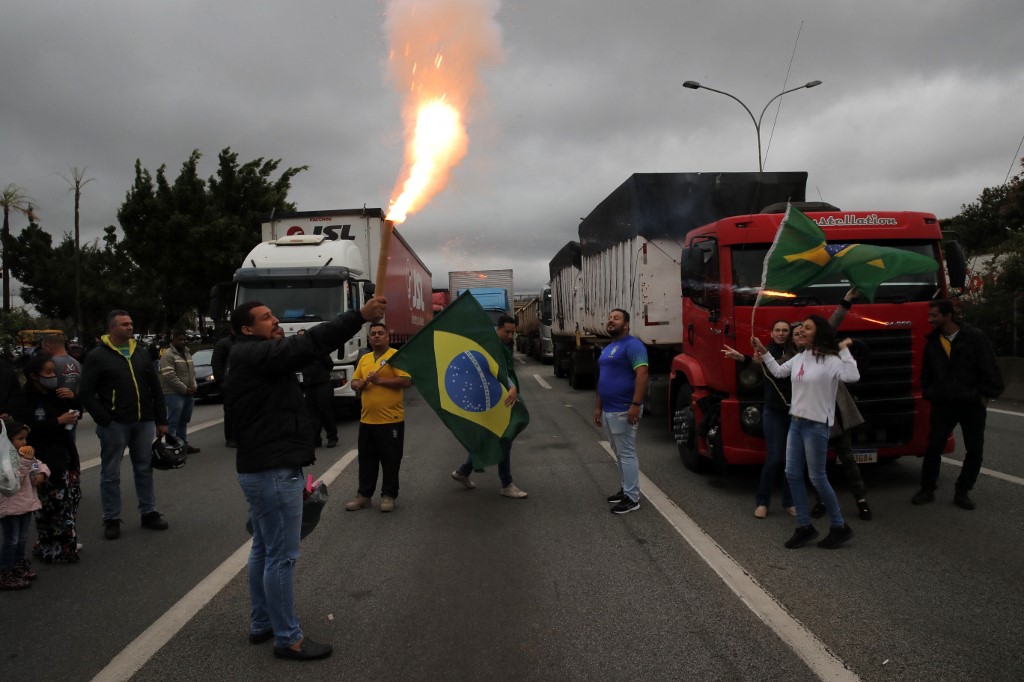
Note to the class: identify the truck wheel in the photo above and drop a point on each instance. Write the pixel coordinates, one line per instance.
(684, 429)
(559, 370)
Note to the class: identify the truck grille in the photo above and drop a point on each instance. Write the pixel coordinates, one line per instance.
(883, 393)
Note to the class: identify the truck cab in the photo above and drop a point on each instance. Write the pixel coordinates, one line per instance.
(717, 403)
(306, 280)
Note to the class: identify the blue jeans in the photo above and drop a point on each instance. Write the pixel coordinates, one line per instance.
(114, 438)
(275, 508)
(776, 428)
(15, 530)
(808, 444)
(179, 414)
(504, 466)
(622, 436)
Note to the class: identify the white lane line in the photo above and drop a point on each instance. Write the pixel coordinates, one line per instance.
(95, 461)
(136, 654)
(540, 380)
(809, 648)
(994, 474)
(1012, 414)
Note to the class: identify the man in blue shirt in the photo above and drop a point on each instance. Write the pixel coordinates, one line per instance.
(621, 387)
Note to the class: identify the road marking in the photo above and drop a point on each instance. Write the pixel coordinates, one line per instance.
(1012, 414)
(138, 653)
(540, 380)
(809, 648)
(994, 474)
(95, 461)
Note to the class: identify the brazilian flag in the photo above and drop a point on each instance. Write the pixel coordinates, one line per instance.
(800, 256)
(462, 370)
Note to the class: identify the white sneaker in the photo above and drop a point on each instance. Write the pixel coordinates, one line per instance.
(464, 480)
(511, 490)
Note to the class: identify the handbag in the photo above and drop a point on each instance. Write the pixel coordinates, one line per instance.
(10, 465)
(314, 497)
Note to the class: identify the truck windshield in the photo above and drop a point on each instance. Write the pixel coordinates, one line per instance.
(748, 264)
(301, 301)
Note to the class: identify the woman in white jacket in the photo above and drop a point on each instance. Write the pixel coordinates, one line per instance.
(815, 373)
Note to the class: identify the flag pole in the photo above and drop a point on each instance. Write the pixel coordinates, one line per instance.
(385, 255)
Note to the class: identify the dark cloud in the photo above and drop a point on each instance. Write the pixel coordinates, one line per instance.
(919, 109)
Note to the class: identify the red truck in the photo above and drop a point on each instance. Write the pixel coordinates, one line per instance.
(716, 404)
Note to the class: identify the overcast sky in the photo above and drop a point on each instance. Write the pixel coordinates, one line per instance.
(921, 106)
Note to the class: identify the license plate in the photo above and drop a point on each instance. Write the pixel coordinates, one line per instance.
(865, 456)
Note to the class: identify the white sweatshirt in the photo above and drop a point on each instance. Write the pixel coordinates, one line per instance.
(815, 381)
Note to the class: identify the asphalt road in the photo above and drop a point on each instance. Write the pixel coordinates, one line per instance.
(467, 585)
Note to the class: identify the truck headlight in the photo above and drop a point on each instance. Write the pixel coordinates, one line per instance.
(750, 376)
(751, 416)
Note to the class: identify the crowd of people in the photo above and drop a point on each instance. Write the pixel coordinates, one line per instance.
(276, 423)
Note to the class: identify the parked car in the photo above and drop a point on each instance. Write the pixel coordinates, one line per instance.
(206, 387)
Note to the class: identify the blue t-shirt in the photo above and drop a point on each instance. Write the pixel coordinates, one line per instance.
(618, 363)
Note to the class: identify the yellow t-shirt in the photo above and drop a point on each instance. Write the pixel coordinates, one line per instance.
(381, 405)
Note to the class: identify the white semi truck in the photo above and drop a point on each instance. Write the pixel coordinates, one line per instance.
(313, 265)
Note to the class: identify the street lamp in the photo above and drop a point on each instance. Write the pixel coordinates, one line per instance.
(694, 85)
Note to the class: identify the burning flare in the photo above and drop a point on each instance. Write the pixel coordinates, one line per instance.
(437, 47)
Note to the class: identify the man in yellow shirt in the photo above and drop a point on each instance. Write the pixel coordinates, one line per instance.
(381, 422)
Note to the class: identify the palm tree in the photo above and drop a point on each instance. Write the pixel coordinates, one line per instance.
(12, 198)
(76, 182)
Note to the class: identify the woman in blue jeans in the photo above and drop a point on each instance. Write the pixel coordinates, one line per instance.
(775, 420)
(815, 373)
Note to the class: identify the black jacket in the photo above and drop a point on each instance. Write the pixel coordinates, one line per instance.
(116, 388)
(968, 373)
(219, 359)
(264, 400)
(9, 385)
(54, 443)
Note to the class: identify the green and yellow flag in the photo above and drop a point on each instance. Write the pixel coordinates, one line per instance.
(800, 256)
(461, 369)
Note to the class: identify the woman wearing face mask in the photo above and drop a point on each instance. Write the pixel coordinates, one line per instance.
(50, 413)
(776, 419)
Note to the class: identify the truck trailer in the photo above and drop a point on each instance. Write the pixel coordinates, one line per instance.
(313, 265)
(492, 289)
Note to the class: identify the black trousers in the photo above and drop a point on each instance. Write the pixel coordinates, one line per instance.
(380, 447)
(945, 416)
(319, 404)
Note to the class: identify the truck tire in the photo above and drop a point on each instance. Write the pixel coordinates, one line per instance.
(576, 379)
(684, 429)
(559, 370)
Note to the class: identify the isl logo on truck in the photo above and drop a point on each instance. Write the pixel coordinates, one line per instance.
(414, 288)
(332, 232)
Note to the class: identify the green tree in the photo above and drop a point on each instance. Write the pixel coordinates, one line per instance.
(185, 236)
(994, 224)
(12, 198)
(48, 282)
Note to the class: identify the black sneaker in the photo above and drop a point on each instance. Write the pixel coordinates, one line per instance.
(837, 535)
(923, 496)
(625, 506)
(154, 520)
(818, 510)
(617, 497)
(112, 529)
(963, 500)
(307, 651)
(863, 510)
(332, 442)
(801, 536)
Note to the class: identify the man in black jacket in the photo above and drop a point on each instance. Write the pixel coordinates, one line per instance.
(121, 391)
(275, 440)
(219, 365)
(959, 375)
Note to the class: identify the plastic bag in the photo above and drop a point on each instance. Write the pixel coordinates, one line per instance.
(10, 481)
(314, 497)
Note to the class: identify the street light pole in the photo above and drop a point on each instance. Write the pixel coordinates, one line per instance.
(694, 85)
